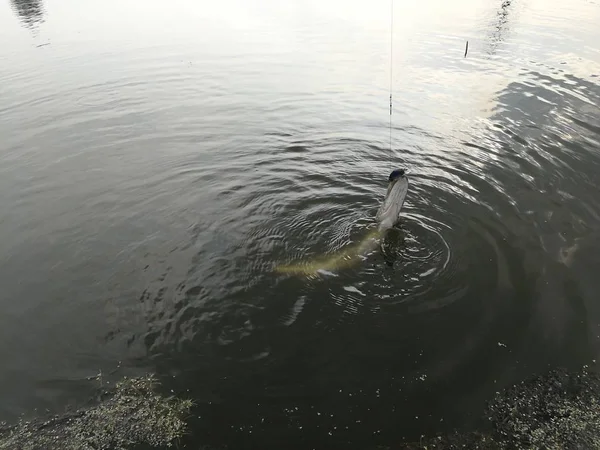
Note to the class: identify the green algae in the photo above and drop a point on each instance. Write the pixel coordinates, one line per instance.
(130, 415)
(558, 410)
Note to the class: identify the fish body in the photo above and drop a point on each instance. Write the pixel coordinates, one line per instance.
(387, 217)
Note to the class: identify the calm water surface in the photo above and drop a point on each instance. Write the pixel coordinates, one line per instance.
(158, 159)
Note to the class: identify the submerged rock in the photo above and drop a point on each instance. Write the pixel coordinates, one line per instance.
(132, 414)
(559, 410)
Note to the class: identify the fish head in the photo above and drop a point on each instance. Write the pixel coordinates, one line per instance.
(396, 174)
(389, 212)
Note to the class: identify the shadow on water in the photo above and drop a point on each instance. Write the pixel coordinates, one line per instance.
(547, 139)
(30, 12)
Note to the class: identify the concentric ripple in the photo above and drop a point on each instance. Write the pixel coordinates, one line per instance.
(154, 178)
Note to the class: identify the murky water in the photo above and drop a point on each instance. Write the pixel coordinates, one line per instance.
(158, 159)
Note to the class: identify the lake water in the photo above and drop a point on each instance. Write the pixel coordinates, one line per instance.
(159, 159)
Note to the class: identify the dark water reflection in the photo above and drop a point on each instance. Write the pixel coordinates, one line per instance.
(154, 182)
(30, 12)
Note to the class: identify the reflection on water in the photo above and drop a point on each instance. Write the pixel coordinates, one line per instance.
(30, 12)
(155, 179)
(500, 28)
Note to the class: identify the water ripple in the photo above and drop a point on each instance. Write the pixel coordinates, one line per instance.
(152, 186)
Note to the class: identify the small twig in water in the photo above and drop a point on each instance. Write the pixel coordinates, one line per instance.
(466, 49)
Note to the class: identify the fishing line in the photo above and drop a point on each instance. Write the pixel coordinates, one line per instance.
(391, 70)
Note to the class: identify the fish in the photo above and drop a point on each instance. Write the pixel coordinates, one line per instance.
(387, 217)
